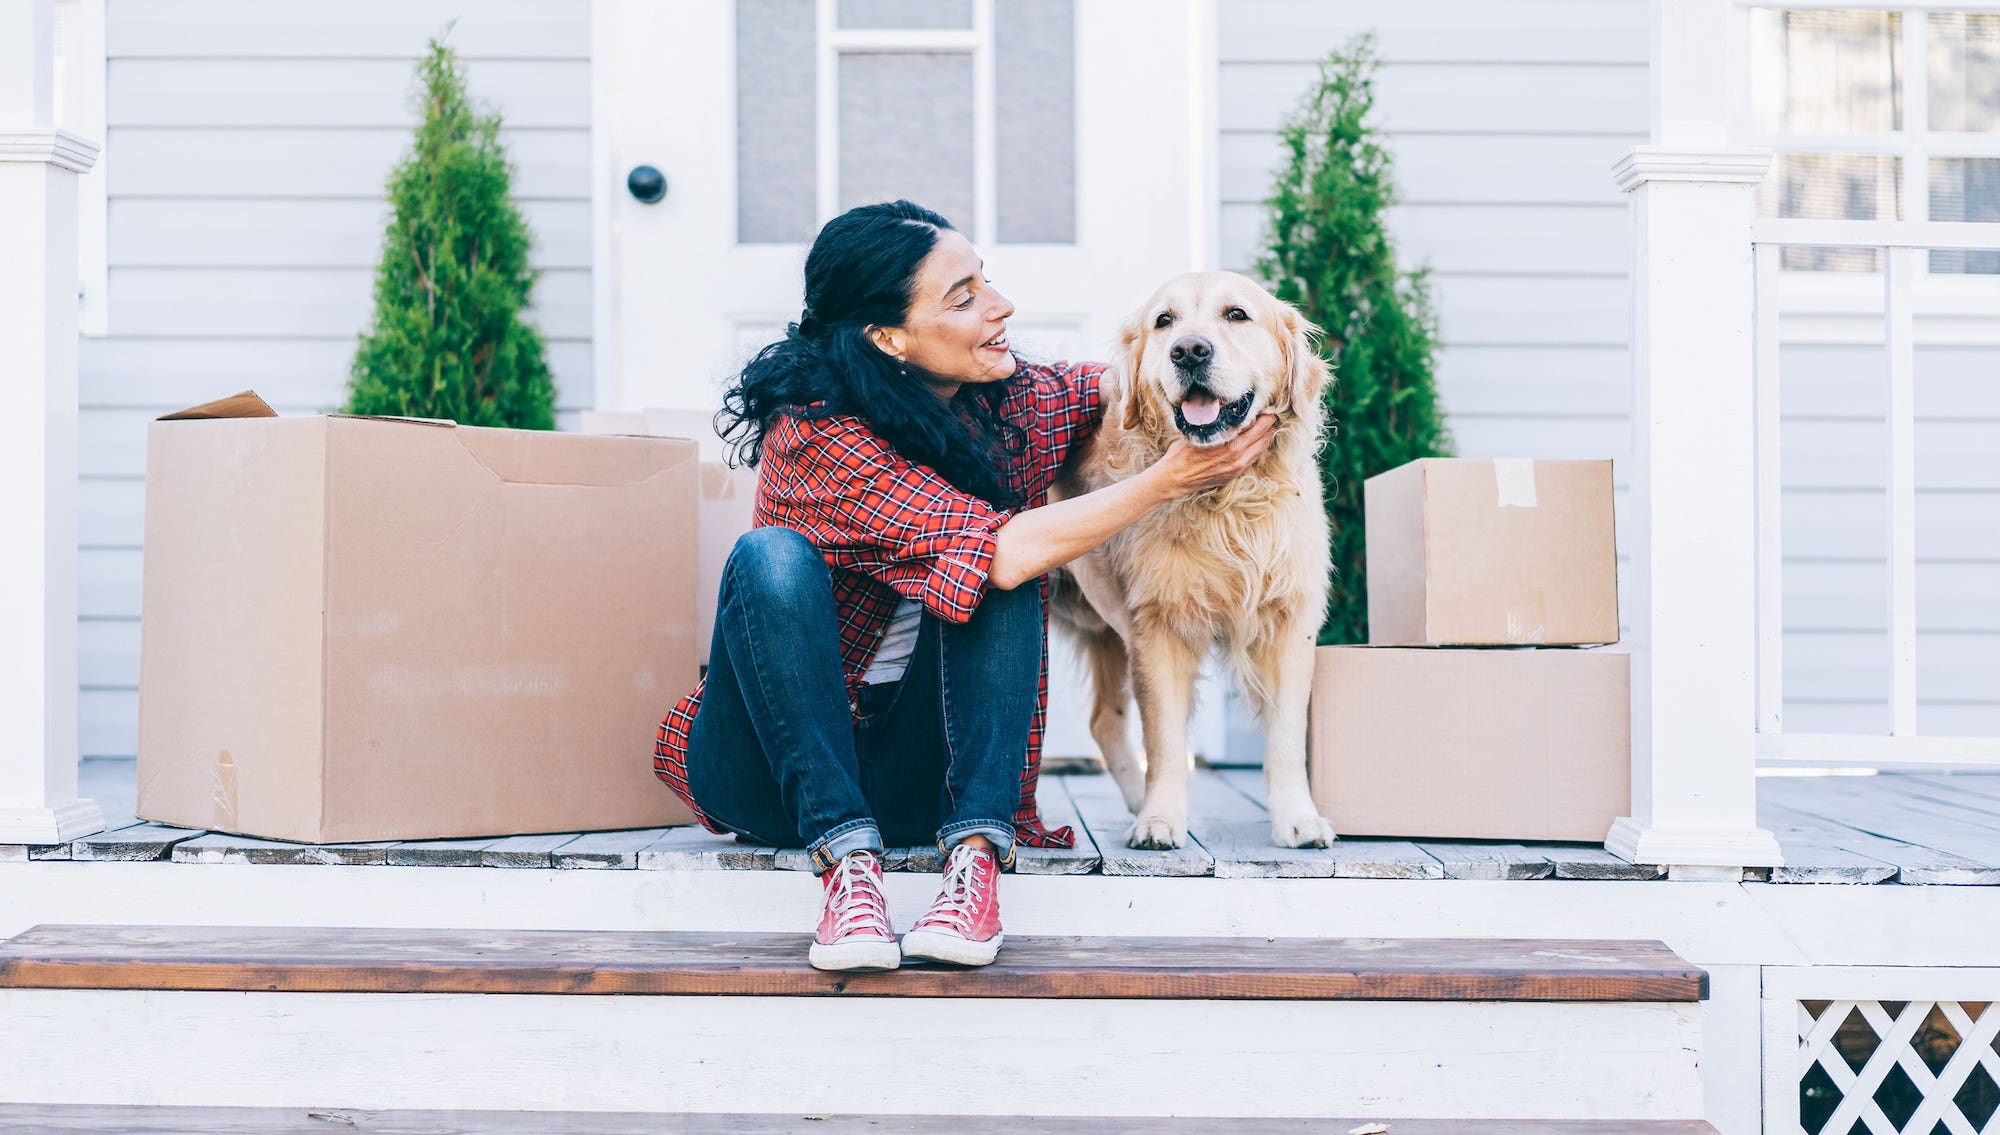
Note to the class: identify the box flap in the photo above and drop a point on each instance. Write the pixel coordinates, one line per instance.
(445, 422)
(244, 404)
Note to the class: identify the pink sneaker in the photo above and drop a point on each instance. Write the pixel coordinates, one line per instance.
(854, 931)
(963, 926)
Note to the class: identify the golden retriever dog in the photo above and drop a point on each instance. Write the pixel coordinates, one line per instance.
(1244, 565)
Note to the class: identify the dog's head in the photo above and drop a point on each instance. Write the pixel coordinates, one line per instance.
(1209, 352)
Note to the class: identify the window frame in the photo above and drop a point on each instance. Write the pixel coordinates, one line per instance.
(1861, 293)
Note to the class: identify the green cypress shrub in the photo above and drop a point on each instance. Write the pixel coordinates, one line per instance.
(447, 339)
(1330, 255)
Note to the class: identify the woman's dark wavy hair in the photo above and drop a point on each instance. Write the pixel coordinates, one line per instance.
(862, 270)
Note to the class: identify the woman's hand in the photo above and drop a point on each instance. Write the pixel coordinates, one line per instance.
(1188, 468)
(1038, 539)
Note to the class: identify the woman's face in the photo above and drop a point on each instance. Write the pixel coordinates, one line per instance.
(956, 329)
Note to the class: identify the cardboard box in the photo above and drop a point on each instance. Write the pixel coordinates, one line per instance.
(725, 511)
(1525, 744)
(1506, 552)
(375, 629)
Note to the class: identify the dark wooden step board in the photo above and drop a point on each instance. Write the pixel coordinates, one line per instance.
(318, 959)
(58, 1119)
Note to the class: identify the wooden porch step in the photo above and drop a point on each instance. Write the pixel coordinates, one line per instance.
(102, 1120)
(339, 960)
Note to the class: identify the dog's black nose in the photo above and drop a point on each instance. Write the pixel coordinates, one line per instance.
(1191, 351)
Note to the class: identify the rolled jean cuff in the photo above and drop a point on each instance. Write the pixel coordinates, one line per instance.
(854, 835)
(1000, 832)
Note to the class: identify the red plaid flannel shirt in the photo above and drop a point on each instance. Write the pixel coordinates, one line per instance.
(890, 529)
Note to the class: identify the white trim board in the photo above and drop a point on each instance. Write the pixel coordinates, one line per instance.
(1706, 923)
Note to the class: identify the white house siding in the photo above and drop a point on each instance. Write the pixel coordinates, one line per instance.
(1504, 120)
(248, 146)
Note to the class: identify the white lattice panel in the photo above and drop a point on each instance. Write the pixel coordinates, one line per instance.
(1885, 1067)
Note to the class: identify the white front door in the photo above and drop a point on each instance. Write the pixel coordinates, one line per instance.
(1071, 141)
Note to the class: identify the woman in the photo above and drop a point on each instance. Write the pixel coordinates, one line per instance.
(877, 670)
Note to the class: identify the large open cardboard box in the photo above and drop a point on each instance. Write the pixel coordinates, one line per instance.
(384, 629)
(728, 498)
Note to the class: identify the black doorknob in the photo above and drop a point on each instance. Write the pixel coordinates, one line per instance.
(647, 184)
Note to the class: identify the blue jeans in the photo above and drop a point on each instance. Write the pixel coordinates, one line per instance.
(776, 756)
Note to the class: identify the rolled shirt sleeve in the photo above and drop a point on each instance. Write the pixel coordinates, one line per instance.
(872, 511)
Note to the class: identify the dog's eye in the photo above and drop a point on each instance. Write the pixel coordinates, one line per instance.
(1163, 319)
(1236, 315)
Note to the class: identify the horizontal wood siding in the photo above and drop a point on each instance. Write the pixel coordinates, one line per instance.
(248, 145)
(1504, 120)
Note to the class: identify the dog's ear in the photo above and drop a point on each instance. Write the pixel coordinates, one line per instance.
(1125, 370)
(1306, 373)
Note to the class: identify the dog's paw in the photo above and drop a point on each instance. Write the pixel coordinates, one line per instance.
(1156, 833)
(1301, 829)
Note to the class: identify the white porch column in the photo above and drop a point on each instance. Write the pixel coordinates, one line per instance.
(1693, 530)
(39, 165)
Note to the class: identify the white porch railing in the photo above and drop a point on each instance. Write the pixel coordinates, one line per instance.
(1902, 745)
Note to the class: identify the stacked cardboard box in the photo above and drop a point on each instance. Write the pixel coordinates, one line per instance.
(376, 629)
(1472, 712)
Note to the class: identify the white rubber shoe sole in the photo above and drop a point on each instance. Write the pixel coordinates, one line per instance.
(863, 954)
(951, 949)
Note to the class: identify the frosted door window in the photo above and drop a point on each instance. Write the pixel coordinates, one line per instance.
(907, 13)
(1034, 43)
(776, 147)
(906, 131)
(908, 114)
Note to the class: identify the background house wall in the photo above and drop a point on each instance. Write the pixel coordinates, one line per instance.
(248, 145)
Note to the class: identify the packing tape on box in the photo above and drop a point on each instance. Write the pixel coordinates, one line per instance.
(224, 794)
(1515, 477)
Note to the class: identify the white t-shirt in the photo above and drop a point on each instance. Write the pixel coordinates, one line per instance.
(898, 643)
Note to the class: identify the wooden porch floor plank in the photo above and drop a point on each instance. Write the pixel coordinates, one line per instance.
(524, 850)
(315, 959)
(439, 852)
(923, 859)
(1103, 811)
(599, 851)
(1236, 830)
(1914, 865)
(1596, 864)
(221, 847)
(134, 843)
(1465, 860)
(696, 848)
(1982, 784)
(98, 1119)
(1951, 801)
(1863, 808)
(1354, 857)
(1058, 810)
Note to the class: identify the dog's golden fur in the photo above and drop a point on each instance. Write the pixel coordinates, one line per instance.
(1244, 565)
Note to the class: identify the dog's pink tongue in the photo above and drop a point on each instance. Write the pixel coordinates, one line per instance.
(1200, 411)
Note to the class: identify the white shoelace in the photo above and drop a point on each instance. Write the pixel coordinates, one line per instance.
(956, 903)
(857, 901)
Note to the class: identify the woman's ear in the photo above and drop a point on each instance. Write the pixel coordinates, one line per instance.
(1306, 372)
(1125, 370)
(887, 340)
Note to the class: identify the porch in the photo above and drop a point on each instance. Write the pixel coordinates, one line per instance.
(1904, 829)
